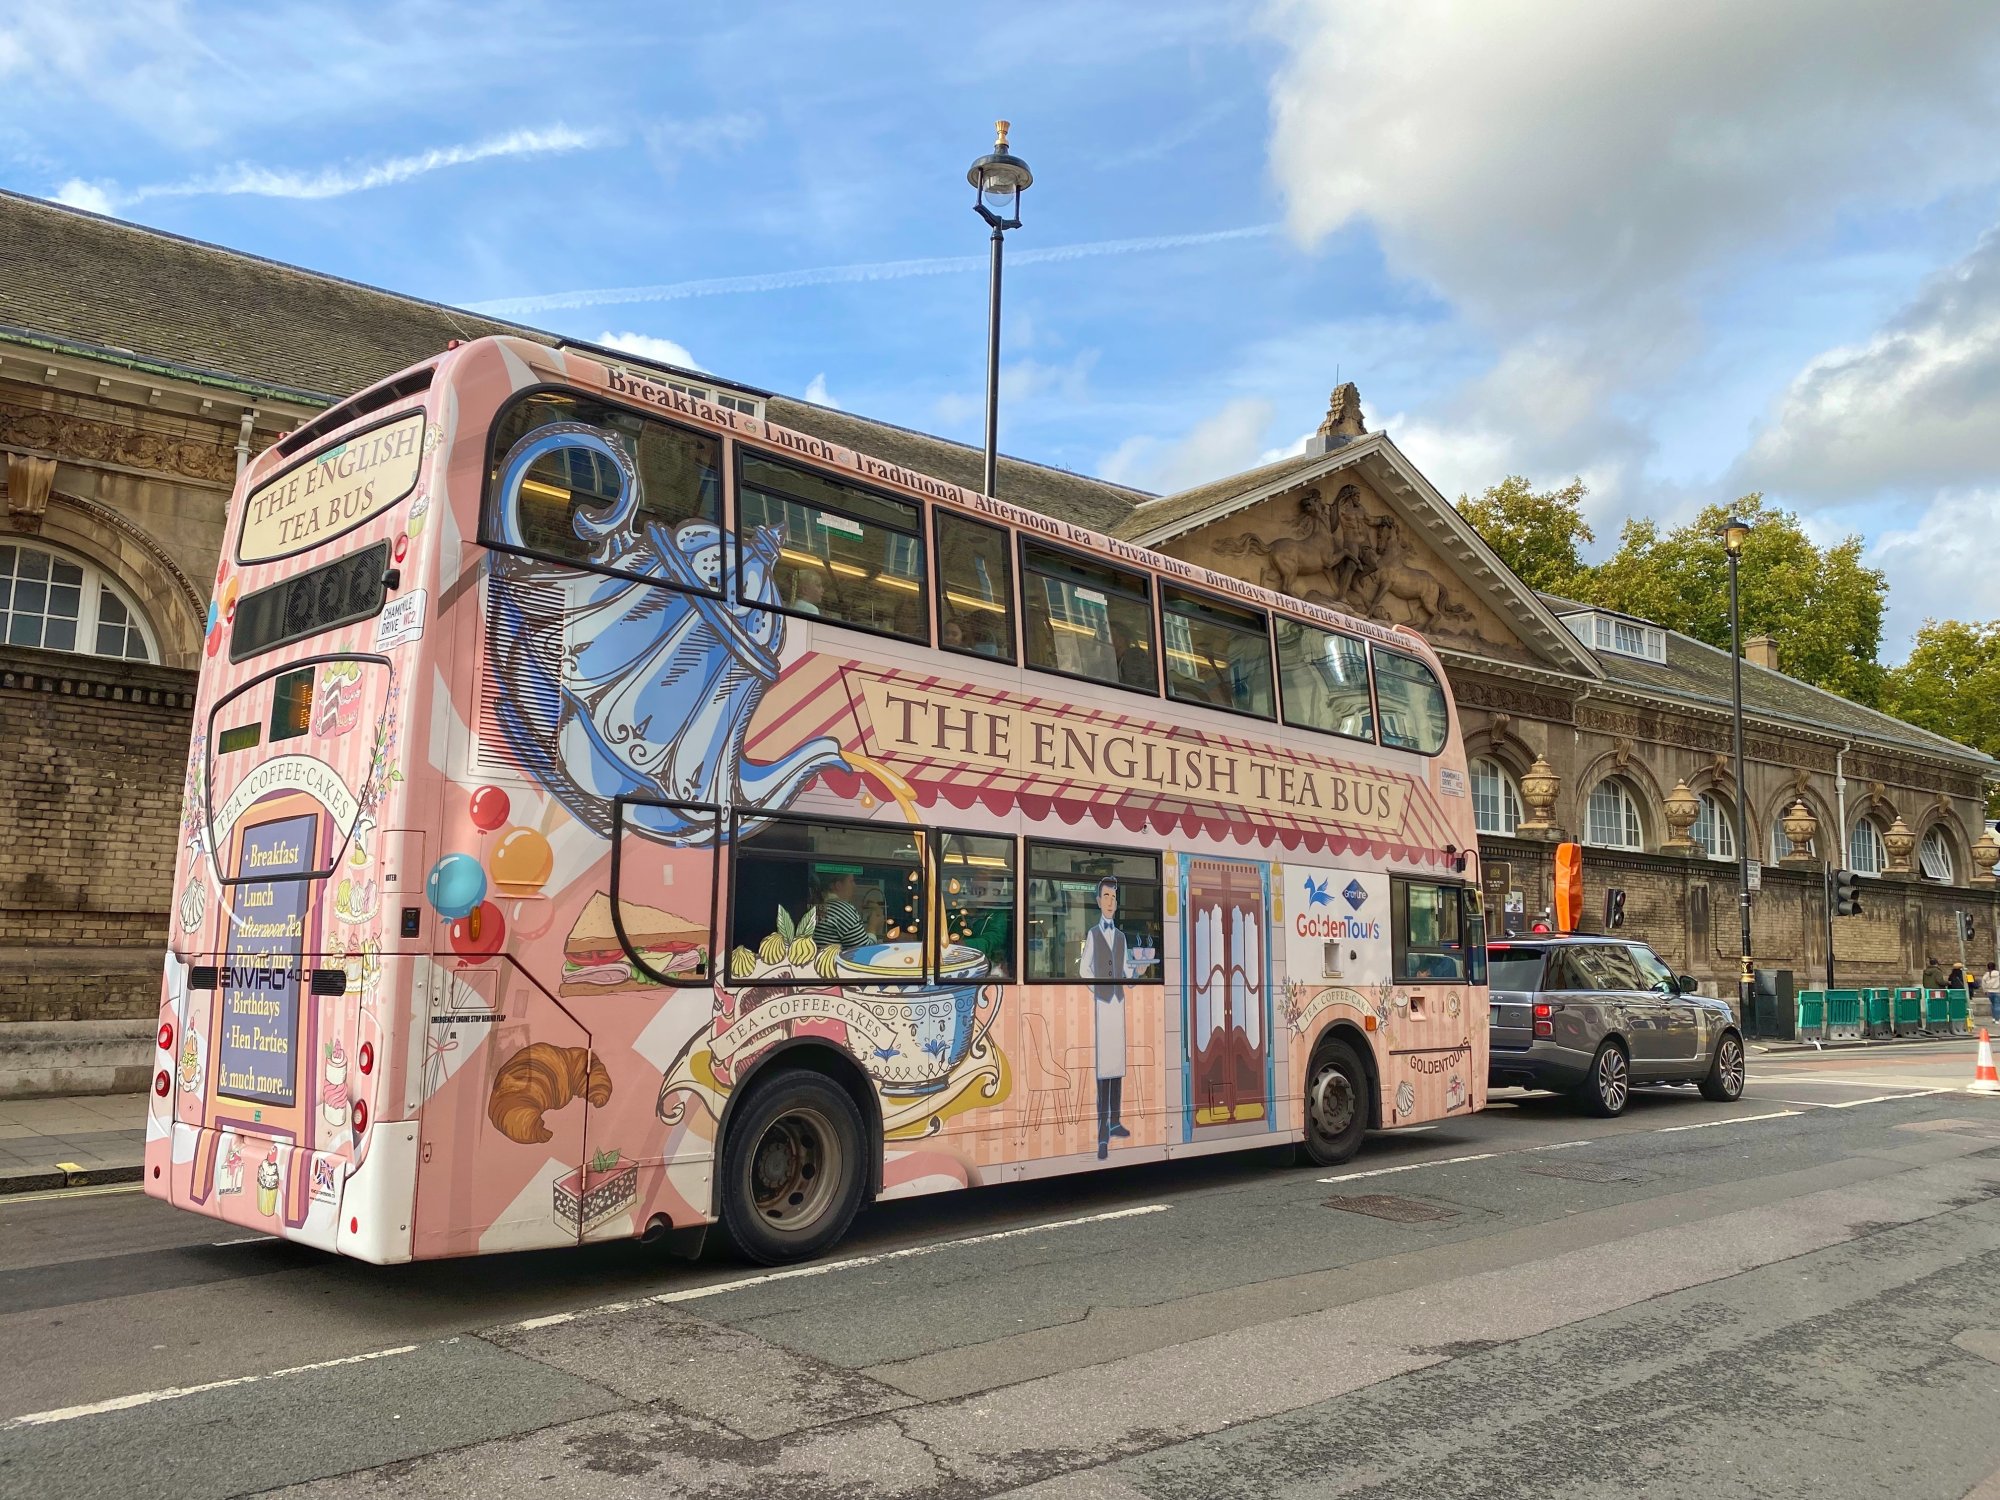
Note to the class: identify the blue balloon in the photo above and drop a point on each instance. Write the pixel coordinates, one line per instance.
(456, 885)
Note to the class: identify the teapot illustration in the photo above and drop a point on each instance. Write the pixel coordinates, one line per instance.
(613, 686)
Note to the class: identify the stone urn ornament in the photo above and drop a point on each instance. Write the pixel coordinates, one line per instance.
(1985, 855)
(1538, 790)
(1801, 827)
(1901, 844)
(1681, 807)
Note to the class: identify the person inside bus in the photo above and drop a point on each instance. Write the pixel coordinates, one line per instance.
(1135, 659)
(808, 589)
(838, 917)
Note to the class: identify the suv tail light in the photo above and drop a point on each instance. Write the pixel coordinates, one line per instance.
(1544, 1022)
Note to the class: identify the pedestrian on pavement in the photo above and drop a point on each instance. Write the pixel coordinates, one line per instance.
(1989, 986)
(1933, 974)
(1955, 980)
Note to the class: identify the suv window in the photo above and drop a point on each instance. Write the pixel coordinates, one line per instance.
(1653, 974)
(1515, 968)
(1608, 966)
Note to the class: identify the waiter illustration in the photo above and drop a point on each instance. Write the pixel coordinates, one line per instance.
(1105, 961)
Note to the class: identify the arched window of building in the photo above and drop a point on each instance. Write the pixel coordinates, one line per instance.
(1714, 828)
(1865, 854)
(63, 603)
(1496, 801)
(1612, 819)
(1934, 856)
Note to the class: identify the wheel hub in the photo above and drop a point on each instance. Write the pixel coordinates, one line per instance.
(1333, 1103)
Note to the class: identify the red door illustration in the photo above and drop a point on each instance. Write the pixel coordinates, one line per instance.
(1228, 1042)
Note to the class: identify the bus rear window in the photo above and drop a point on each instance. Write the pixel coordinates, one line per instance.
(333, 594)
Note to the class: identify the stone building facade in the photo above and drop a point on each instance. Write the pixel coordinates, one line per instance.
(139, 371)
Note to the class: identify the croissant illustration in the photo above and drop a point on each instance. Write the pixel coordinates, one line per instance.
(540, 1078)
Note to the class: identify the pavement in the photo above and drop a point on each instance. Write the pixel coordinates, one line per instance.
(1787, 1295)
(71, 1142)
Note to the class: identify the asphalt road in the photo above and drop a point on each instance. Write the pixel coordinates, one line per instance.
(1792, 1295)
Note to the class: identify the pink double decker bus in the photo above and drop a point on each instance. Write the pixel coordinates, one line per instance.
(610, 813)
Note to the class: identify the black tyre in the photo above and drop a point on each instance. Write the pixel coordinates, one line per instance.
(1336, 1104)
(1724, 1083)
(794, 1168)
(1609, 1088)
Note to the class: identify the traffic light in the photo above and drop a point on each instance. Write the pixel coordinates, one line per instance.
(1846, 893)
(1614, 908)
(1965, 925)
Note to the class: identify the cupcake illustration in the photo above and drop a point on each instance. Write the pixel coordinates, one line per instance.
(267, 1184)
(1455, 1093)
(333, 1094)
(190, 1069)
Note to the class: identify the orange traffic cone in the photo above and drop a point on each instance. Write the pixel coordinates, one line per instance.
(1985, 1080)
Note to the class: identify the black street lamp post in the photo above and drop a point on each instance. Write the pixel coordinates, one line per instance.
(1000, 179)
(1733, 533)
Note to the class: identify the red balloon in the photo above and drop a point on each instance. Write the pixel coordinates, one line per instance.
(479, 934)
(489, 808)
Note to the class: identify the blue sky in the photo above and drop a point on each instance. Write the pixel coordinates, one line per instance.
(1680, 250)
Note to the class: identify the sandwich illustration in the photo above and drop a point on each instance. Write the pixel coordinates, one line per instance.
(594, 960)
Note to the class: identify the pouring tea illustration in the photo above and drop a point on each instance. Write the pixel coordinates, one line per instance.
(626, 689)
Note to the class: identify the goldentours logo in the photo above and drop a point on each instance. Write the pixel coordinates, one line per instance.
(1317, 919)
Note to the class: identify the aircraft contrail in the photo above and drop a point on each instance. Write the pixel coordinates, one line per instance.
(881, 270)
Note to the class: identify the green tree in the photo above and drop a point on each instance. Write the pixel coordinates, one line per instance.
(1823, 605)
(1950, 685)
(1536, 532)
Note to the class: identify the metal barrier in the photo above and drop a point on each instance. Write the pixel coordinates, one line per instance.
(1843, 1015)
(1907, 1016)
(1812, 1015)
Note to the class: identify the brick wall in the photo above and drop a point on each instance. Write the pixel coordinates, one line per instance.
(90, 800)
(1687, 910)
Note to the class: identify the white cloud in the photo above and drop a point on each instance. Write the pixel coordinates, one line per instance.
(816, 392)
(246, 179)
(1533, 159)
(1938, 565)
(668, 141)
(646, 346)
(1916, 404)
(1226, 442)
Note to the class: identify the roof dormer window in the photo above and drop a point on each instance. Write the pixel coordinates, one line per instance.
(1618, 634)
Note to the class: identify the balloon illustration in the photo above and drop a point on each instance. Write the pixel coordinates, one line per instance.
(456, 885)
(479, 934)
(532, 916)
(489, 808)
(522, 862)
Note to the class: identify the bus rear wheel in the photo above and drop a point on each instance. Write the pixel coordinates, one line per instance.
(793, 1168)
(1336, 1104)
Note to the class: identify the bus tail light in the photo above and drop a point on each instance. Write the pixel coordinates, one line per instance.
(1545, 1025)
(166, 1036)
(162, 1083)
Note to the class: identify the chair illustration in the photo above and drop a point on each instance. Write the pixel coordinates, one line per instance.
(1048, 1081)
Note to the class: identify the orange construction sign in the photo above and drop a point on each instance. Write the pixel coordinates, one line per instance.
(1569, 886)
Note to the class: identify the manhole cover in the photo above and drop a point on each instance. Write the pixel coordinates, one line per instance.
(1579, 1171)
(1395, 1210)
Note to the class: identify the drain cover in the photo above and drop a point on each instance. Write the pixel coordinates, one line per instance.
(1579, 1171)
(1395, 1210)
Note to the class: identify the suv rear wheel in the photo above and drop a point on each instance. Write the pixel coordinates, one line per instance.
(1724, 1083)
(1609, 1087)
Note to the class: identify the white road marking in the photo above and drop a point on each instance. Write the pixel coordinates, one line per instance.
(1776, 1114)
(1449, 1161)
(175, 1392)
(825, 1268)
(76, 1192)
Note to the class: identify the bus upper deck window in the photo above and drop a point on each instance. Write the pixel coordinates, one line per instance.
(1084, 618)
(845, 554)
(1413, 704)
(582, 481)
(976, 588)
(1324, 681)
(1217, 653)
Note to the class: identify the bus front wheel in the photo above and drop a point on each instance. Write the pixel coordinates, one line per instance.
(794, 1168)
(1336, 1104)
